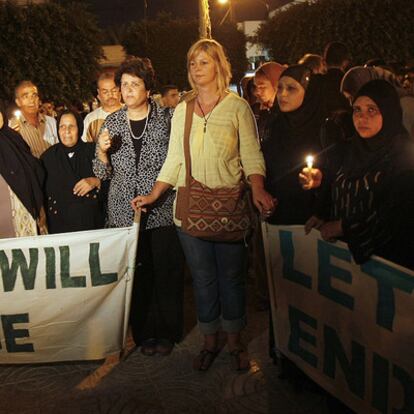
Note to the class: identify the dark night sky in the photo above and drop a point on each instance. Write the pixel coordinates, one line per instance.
(114, 12)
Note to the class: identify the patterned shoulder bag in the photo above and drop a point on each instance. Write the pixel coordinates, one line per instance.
(216, 214)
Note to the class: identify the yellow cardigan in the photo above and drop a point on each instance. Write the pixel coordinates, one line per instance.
(218, 156)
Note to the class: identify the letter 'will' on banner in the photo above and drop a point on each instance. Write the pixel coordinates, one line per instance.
(348, 327)
(66, 297)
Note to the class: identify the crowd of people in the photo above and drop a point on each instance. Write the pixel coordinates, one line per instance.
(70, 174)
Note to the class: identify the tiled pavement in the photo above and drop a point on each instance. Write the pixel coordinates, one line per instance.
(158, 385)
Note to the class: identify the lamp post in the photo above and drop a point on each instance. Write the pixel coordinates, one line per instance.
(230, 10)
(204, 19)
(146, 21)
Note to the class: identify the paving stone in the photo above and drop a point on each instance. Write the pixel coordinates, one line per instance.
(158, 385)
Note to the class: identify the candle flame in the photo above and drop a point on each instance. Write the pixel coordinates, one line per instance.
(309, 161)
(17, 114)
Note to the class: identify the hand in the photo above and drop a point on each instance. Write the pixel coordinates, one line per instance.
(263, 201)
(313, 223)
(82, 187)
(140, 201)
(104, 141)
(331, 230)
(310, 178)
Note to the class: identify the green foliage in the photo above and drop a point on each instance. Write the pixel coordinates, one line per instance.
(58, 48)
(166, 41)
(370, 28)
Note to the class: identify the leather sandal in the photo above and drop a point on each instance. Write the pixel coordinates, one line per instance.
(164, 347)
(148, 347)
(204, 359)
(240, 360)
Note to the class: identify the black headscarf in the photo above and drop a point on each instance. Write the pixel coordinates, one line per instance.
(303, 124)
(390, 141)
(297, 133)
(79, 123)
(70, 163)
(20, 169)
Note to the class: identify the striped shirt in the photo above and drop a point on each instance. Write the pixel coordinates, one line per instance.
(38, 138)
(92, 124)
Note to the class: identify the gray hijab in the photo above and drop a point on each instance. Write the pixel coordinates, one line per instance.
(358, 76)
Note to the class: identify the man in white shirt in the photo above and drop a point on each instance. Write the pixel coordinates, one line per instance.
(38, 130)
(170, 96)
(110, 98)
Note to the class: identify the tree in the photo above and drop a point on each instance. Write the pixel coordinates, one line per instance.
(370, 28)
(234, 42)
(166, 41)
(56, 47)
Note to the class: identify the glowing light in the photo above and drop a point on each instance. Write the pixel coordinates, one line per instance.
(18, 114)
(223, 1)
(309, 161)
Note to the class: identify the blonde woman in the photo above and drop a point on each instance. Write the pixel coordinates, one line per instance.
(223, 146)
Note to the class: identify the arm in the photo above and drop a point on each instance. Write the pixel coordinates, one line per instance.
(157, 191)
(253, 162)
(100, 164)
(175, 157)
(263, 201)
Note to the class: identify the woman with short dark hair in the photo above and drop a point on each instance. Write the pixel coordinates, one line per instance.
(130, 153)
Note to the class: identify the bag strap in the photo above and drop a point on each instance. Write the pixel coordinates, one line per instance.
(187, 129)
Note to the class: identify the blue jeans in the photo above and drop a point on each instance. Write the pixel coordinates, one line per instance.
(219, 279)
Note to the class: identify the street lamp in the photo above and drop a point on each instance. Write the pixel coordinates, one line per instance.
(204, 19)
(230, 10)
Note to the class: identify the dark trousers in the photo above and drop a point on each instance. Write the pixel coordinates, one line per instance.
(157, 295)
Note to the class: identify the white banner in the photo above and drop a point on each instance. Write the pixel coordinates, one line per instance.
(349, 327)
(66, 296)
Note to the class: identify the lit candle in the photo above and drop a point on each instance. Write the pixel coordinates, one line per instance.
(309, 161)
(17, 114)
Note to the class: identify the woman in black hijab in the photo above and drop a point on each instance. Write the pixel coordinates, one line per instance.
(72, 190)
(21, 178)
(294, 135)
(372, 190)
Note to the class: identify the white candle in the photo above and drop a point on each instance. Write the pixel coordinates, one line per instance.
(17, 114)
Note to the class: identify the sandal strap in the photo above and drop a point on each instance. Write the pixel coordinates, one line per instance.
(205, 359)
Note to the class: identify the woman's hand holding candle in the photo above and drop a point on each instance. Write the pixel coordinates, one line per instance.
(310, 177)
